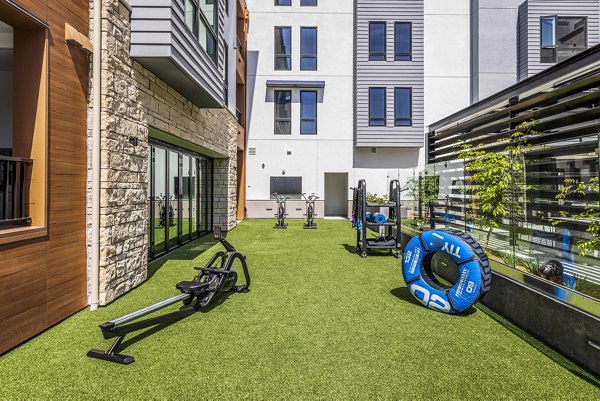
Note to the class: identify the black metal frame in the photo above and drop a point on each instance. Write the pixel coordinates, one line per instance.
(13, 191)
(281, 211)
(203, 200)
(204, 288)
(310, 211)
(388, 240)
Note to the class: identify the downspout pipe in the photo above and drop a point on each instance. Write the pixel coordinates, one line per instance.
(96, 131)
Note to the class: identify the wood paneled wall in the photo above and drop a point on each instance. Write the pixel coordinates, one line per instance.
(43, 280)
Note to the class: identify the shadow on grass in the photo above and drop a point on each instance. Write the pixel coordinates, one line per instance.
(374, 252)
(188, 252)
(174, 317)
(553, 355)
(404, 294)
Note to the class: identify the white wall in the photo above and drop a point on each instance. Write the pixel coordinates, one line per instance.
(231, 40)
(447, 58)
(332, 149)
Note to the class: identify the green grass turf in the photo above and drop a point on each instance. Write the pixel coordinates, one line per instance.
(319, 322)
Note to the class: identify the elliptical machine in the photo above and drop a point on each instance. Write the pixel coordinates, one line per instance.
(310, 211)
(209, 288)
(281, 211)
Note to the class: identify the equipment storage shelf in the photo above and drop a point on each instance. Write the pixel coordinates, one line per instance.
(362, 221)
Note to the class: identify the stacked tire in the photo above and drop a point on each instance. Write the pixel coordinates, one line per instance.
(474, 272)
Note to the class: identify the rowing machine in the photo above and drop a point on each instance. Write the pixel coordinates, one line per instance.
(210, 285)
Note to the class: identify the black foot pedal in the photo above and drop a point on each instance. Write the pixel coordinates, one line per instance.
(118, 358)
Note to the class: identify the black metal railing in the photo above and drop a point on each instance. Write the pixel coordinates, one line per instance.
(238, 116)
(13, 191)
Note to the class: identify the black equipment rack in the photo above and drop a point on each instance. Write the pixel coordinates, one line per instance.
(388, 240)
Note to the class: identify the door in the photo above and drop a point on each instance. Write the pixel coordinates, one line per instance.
(336, 194)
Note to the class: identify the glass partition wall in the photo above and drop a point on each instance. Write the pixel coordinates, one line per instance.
(180, 197)
(536, 211)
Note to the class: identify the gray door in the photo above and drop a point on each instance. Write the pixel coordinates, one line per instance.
(336, 194)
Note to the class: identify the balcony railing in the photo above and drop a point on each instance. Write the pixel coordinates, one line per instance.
(13, 191)
(238, 116)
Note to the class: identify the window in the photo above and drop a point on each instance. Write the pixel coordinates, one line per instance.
(207, 27)
(283, 48)
(286, 185)
(308, 2)
(23, 126)
(283, 2)
(308, 112)
(226, 75)
(377, 41)
(402, 107)
(562, 37)
(308, 49)
(402, 41)
(191, 15)
(377, 106)
(283, 112)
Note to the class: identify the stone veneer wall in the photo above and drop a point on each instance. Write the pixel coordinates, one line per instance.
(134, 99)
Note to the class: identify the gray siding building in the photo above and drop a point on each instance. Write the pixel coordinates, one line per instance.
(389, 78)
(166, 41)
(551, 31)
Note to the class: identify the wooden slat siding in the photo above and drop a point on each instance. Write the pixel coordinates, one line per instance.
(158, 27)
(389, 74)
(565, 8)
(53, 269)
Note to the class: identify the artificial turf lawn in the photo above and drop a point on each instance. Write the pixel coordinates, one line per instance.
(319, 322)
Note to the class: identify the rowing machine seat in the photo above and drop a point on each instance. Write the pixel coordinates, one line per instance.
(191, 287)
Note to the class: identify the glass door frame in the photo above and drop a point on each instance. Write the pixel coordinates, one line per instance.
(202, 197)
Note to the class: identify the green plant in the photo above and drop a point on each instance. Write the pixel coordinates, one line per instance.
(580, 283)
(509, 258)
(496, 180)
(374, 198)
(589, 215)
(532, 265)
(424, 190)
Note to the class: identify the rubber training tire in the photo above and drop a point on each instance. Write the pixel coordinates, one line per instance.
(474, 271)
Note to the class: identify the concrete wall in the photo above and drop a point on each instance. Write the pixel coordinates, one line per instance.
(135, 101)
(494, 50)
(447, 58)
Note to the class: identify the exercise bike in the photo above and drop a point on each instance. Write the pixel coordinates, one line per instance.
(281, 211)
(209, 288)
(310, 211)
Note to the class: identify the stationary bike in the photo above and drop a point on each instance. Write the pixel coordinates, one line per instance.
(209, 288)
(281, 211)
(310, 211)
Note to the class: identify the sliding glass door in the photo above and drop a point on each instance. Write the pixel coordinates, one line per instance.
(180, 197)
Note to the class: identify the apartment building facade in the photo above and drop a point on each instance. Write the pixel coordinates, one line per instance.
(169, 134)
(301, 126)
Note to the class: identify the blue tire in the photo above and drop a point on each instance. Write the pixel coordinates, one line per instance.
(474, 272)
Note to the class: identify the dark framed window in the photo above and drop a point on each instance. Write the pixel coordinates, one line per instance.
(286, 185)
(402, 107)
(308, 49)
(283, 112)
(180, 197)
(201, 17)
(191, 15)
(377, 107)
(308, 3)
(377, 39)
(226, 74)
(308, 112)
(561, 37)
(283, 48)
(403, 41)
(283, 2)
